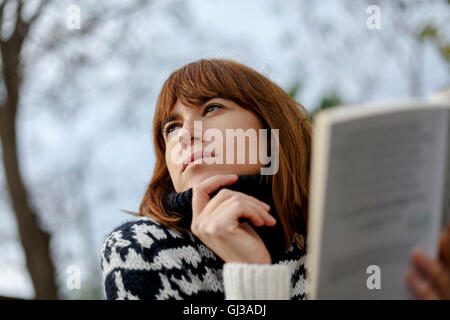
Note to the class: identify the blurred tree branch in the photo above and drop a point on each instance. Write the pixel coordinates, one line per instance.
(34, 239)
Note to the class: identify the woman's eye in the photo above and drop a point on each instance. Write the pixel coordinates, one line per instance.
(170, 127)
(211, 106)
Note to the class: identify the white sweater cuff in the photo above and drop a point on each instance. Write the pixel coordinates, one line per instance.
(244, 281)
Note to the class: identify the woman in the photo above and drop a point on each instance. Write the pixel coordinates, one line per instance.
(215, 227)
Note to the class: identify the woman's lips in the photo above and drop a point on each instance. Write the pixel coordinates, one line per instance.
(196, 158)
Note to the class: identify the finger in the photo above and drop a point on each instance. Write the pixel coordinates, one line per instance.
(245, 209)
(444, 247)
(200, 192)
(254, 205)
(434, 270)
(226, 221)
(266, 217)
(421, 287)
(226, 194)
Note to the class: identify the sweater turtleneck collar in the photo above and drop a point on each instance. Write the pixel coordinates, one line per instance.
(255, 185)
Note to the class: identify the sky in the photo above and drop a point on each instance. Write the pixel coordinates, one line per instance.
(85, 134)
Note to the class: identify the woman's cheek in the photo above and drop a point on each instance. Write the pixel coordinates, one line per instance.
(171, 161)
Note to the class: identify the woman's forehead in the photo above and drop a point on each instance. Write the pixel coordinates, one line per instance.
(182, 103)
(177, 109)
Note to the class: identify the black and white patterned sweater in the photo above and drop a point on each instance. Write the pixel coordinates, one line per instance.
(142, 259)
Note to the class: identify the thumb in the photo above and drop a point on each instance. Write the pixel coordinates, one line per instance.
(444, 247)
(201, 192)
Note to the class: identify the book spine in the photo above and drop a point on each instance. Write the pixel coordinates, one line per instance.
(446, 207)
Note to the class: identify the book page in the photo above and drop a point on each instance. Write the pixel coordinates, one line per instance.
(446, 209)
(442, 98)
(383, 195)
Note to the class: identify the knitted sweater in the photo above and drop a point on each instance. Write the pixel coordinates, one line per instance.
(142, 259)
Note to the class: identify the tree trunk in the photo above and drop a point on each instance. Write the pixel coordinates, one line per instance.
(35, 241)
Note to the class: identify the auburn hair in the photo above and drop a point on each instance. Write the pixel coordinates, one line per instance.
(199, 81)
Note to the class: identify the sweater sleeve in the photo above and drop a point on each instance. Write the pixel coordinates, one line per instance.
(128, 269)
(243, 281)
(121, 269)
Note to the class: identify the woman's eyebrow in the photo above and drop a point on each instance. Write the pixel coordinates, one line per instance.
(176, 116)
(173, 117)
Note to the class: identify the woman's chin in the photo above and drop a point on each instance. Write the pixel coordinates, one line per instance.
(197, 173)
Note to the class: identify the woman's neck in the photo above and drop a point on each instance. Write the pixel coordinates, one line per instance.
(255, 185)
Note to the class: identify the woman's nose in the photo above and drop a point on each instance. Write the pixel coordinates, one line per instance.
(184, 141)
(189, 133)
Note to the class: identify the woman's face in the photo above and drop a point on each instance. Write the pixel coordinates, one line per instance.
(214, 117)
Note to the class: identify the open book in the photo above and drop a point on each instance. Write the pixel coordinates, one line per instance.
(380, 186)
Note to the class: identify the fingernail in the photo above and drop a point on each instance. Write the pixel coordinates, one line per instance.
(417, 252)
(417, 256)
(419, 282)
(423, 257)
(265, 205)
(410, 276)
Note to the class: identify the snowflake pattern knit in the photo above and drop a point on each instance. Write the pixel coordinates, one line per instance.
(142, 259)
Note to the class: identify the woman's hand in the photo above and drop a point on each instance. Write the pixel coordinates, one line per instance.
(215, 221)
(430, 279)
